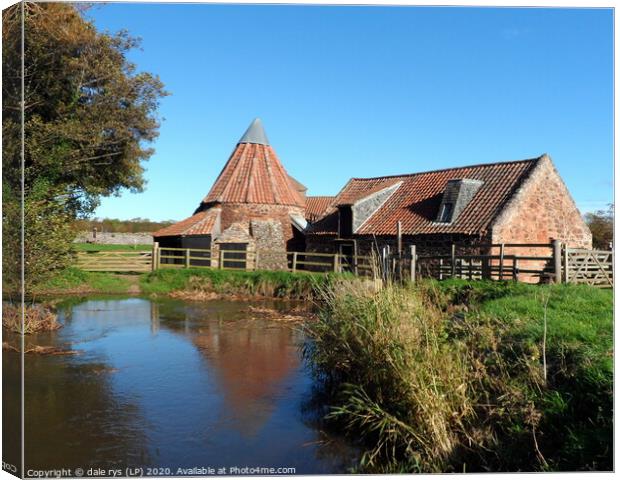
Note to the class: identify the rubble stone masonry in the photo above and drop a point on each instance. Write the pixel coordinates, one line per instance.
(540, 211)
(240, 212)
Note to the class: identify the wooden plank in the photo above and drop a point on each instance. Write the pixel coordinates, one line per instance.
(320, 264)
(113, 260)
(114, 252)
(111, 264)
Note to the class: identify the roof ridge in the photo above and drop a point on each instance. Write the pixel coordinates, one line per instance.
(448, 169)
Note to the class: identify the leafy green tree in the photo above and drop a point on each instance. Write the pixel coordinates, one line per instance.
(89, 116)
(601, 225)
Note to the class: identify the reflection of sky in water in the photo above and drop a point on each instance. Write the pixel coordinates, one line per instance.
(203, 384)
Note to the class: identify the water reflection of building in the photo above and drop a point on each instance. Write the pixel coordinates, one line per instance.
(251, 362)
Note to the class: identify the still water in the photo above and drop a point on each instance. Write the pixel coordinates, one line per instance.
(171, 384)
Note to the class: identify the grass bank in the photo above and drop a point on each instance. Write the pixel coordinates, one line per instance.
(201, 283)
(75, 281)
(469, 376)
(192, 283)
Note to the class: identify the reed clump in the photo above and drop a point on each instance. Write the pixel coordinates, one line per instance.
(428, 385)
(37, 318)
(208, 283)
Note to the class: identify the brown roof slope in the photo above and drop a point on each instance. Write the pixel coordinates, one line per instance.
(201, 223)
(416, 202)
(316, 206)
(254, 174)
(358, 188)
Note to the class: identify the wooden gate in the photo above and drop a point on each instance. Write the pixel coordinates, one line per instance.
(592, 267)
(115, 261)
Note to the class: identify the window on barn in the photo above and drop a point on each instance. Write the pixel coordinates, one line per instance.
(445, 216)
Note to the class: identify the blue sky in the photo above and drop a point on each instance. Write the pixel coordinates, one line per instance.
(368, 91)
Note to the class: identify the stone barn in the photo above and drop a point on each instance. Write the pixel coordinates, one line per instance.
(514, 202)
(254, 205)
(256, 212)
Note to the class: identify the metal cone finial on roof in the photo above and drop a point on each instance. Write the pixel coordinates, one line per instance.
(255, 134)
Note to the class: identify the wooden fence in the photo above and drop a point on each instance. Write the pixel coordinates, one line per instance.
(510, 261)
(592, 267)
(554, 262)
(115, 261)
(165, 257)
(550, 262)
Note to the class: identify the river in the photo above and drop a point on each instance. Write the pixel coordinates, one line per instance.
(169, 385)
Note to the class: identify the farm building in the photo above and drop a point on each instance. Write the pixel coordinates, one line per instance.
(517, 202)
(256, 212)
(254, 205)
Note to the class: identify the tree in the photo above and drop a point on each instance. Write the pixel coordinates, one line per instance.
(88, 116)
(601, 224)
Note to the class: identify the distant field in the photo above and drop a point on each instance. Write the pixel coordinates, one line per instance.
(90, 247)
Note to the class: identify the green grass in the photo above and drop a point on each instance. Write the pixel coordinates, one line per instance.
(256, 283)
(579, 317)
(92, 247)
(74, 280)
(450, 376)
(194, 282)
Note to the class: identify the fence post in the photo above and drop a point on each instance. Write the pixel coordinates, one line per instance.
(515, 269)
(154, 254)
(557, 260)
(336, 262)
(501, 261)
(221, 262)
(565, 252)
(256, 260)
(294, 262)
(187, 258)
(413, 263)
(453, 261)
(485, 263)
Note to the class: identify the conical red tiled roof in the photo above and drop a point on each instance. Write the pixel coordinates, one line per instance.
(254, 174)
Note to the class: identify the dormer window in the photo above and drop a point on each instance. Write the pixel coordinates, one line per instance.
(445, 215)
(457, 195)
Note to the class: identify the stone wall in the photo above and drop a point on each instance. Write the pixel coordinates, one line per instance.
(365, 208)
(440, 244)
(269, 244)
(238, 232)
(107, 238)
(542, 210)
(240, 212)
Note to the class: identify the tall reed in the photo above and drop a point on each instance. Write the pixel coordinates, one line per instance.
(429, 387)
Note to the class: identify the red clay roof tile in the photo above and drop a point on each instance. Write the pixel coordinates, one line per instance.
(201, 223)
(316, 206)
(416, 202)
(254, 174)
